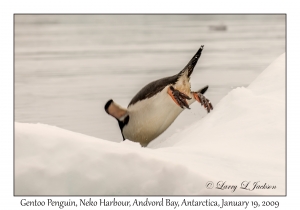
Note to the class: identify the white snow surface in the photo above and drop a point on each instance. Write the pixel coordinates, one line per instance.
(242, 139)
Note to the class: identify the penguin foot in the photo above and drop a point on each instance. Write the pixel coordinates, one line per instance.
(203, 101)
(178, 97)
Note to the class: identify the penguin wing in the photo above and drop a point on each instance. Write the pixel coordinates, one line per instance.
(203, 90)
(115, 110)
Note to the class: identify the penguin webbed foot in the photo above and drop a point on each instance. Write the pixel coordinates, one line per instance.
(203, 101)
(178, 97)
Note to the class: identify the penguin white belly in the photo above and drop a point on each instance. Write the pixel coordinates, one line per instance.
(150, 117)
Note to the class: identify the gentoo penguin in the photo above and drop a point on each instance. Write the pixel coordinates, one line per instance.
(154, 108)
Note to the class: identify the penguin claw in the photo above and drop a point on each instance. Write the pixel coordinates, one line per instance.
(178, 97)
(203, 101)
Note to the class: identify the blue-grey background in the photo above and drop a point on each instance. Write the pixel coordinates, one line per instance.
(68, 66)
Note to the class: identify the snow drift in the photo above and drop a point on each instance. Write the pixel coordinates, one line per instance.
(239, 148)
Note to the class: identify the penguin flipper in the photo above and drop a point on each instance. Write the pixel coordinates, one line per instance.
(178, 97)
(203, 90)
(115, 110)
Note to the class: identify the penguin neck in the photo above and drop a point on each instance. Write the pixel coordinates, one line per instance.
(122, 123)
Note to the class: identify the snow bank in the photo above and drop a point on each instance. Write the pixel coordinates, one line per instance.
(240, 143)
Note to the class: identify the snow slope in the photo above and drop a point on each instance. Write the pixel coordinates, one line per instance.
(242, 141)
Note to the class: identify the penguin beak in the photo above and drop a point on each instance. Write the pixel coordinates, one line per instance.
(191, 65)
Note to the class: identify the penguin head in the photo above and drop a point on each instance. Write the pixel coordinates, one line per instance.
(119, 113)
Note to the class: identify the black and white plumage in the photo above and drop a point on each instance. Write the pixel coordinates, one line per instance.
(154, 108)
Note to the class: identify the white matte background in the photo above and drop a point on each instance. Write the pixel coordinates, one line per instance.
(8, 8)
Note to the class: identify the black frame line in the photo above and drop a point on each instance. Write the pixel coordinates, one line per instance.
(14, 194)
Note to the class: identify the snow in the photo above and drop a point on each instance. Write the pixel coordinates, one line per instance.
(242, 140)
